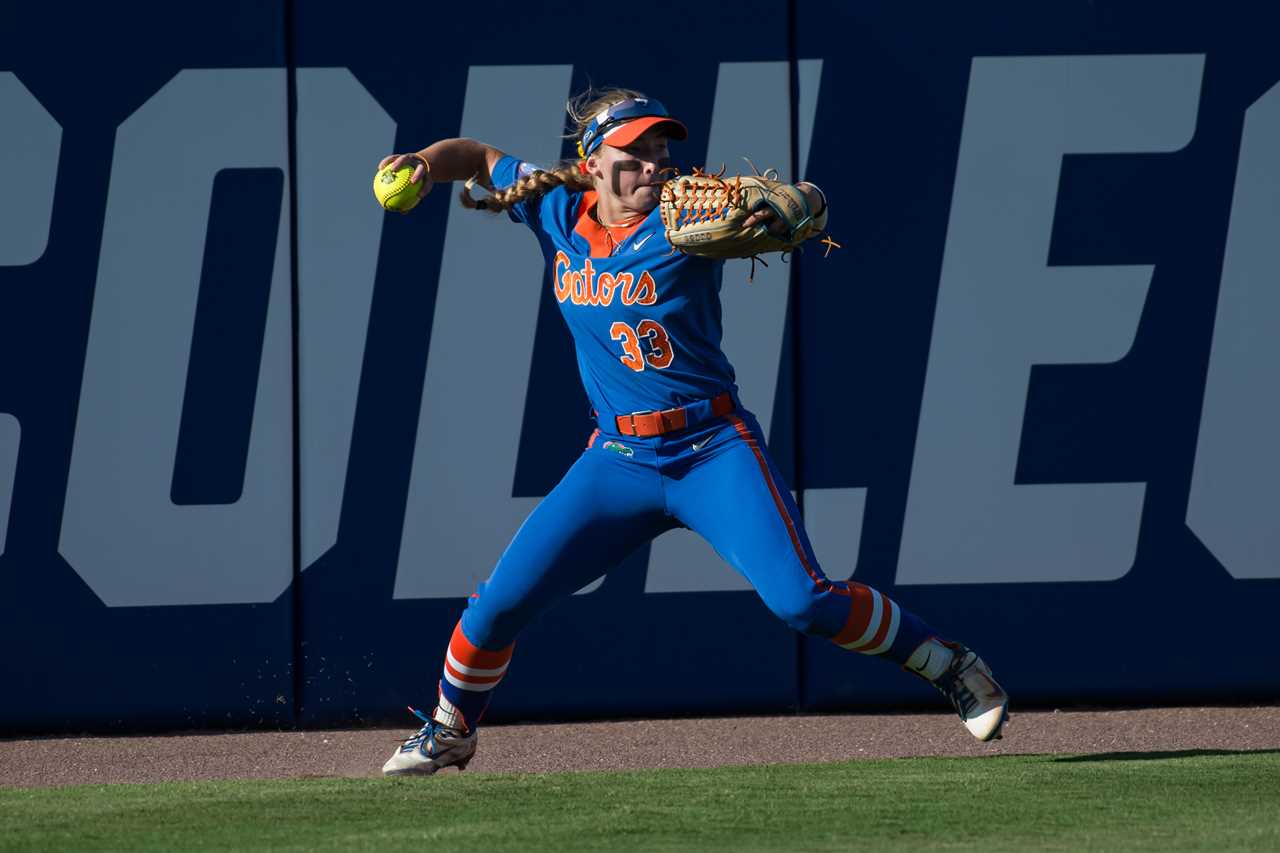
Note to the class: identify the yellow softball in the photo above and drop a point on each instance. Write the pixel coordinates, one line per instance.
(393, 190)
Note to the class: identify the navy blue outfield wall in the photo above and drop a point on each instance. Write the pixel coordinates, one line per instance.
(259, 441)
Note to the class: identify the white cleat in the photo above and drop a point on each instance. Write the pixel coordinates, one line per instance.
(433, 748)
(981, 702)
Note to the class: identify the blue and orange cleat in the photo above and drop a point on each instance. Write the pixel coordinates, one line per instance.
(433, 748)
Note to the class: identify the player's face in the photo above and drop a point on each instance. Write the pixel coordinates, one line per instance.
(633, 174)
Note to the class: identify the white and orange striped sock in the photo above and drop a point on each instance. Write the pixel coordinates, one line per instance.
(470, 674)
(873, 620)
(878, 625)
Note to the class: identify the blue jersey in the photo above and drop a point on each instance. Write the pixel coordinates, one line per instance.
(645, 322)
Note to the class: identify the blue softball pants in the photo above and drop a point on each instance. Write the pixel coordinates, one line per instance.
(718, 480)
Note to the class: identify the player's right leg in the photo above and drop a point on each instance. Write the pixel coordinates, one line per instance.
(606, 506)
(731, 493)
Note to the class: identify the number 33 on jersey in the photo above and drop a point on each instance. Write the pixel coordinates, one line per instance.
(659, 354)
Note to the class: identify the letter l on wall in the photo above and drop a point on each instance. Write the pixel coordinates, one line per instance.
(460, 513)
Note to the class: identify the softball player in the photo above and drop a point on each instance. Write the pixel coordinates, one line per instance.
(674, 445)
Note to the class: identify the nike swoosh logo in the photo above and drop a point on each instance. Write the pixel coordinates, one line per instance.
(635, 247)
(698, 445)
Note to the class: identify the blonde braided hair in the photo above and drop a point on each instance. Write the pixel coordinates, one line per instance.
(581, 108)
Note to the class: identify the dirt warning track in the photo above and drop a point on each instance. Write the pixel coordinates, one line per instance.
(633, 744)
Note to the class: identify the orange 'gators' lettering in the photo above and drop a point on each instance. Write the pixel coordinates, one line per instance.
(605, 285)
(562, 282)
(623, 284)
(588, 286)
(645, 291)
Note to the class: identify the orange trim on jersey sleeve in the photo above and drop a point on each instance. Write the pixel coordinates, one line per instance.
(596, 235)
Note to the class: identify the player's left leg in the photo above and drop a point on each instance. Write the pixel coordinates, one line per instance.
(607, 504)
(730, 493)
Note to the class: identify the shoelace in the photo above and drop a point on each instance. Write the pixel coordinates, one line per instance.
(426, 733)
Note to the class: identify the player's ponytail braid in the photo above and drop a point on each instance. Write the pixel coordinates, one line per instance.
(529, 187)
(581, 109)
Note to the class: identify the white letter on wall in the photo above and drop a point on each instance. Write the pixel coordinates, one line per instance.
(339, 231)
(120, 530)
(1235, 488)
(10, 435)
(1001, 310)
(460, 513)
(29, 144)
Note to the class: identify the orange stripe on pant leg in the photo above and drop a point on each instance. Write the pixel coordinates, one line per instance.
(861, 606)
(746, 436)
(591, 441)
(471, 655)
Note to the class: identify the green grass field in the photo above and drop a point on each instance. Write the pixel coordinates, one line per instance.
(1165, 801)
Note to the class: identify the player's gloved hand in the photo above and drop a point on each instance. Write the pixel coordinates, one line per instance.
(770, 219)
(740, 217)
(420, 174)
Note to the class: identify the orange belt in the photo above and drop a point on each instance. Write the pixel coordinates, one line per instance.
(649, 424)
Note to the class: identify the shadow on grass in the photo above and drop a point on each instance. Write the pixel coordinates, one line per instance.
(1160, 756)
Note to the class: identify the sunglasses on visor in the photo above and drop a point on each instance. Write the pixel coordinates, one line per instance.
(615, 116)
